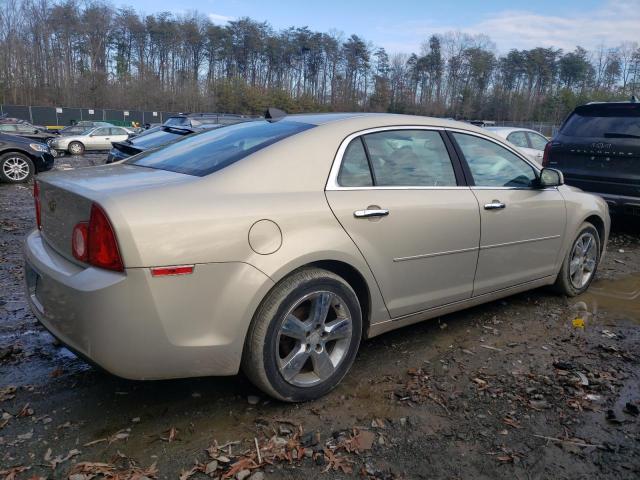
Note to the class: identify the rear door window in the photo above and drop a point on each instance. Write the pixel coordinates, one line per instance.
(519, 139)
(538, 142)
(354, 171)
(101, 132)
(403, 158)
(207, 152)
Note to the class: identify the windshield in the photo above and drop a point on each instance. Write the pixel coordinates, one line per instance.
(213, 150)
(602, 121)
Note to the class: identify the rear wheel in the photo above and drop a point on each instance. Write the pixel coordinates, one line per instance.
(580, 264)
(16, 168)
(76, 148)
(304, 337)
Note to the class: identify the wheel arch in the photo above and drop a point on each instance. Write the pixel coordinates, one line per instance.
(599, 225)
(17, 150)
(356, 280)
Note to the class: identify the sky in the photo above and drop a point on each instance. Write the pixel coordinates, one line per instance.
(401, 26)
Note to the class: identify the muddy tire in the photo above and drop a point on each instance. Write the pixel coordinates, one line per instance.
(76, 148)
(581, 262)
(304, 337)
(16, 168)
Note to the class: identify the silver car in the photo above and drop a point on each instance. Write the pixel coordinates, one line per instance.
(529, 142)
(95, 138)
(277, 246)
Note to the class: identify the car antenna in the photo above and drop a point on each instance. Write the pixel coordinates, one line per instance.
(274, 114)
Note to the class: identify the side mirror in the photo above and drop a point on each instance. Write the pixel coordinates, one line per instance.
(550, 177)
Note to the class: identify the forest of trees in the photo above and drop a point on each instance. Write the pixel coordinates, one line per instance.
(91, 54)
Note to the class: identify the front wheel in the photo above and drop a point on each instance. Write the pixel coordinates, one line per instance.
(580, 265)
(304, 337)
(76, 148)
(16, 168)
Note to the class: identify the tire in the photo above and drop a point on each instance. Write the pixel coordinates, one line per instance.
(274, 349)
(579, 269)
(16, 168)
(76, 148)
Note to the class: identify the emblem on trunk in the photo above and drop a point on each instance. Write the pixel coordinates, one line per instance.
(52, 206)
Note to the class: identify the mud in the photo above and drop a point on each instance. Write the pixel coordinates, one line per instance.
(513, 389)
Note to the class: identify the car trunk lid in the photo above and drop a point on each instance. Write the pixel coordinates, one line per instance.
(66, 197)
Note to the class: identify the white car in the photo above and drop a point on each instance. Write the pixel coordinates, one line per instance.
(529, 142)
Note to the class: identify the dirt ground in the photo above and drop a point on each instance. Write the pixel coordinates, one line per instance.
(535, 386)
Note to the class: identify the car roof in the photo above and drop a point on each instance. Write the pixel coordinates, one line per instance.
(372, 120)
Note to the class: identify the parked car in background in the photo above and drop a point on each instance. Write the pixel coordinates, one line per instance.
(529, 142)
(82, 127)
(99, 138)
(199, 119)
(276, 245)
(598, 150)
(15, 126)
(153, 138)
(21, 158)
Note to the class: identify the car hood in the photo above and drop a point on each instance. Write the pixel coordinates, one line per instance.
(17, 139)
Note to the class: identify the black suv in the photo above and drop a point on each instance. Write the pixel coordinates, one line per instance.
(21, 158)
(598, 150)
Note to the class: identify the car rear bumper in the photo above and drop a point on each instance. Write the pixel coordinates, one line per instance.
(141, 327)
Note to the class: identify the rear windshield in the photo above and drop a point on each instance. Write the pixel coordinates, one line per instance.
(604, 121)
(213, 150)
(161, 136)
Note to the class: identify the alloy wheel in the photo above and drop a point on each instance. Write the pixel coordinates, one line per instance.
(16, 169)
(584, 257)
(313, 338)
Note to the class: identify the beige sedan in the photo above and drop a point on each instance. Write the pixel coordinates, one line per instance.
(276, 246)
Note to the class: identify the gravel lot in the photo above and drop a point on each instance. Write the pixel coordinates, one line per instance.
(534, 386)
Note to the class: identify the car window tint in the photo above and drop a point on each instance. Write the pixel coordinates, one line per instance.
(410, 158)
(158, 137)
(538, 142)
(118, 131)
(519, 139)
(209, 151)
(492, 165)
(354, 171)
(603, 121)
(101, 132)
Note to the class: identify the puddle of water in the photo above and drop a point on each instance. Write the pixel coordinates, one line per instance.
(621, 296)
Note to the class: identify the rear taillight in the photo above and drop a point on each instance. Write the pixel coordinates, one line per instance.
(95, 242)
(36, 199)
(546, 155)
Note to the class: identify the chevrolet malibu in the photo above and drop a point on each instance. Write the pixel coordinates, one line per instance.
(276, 246)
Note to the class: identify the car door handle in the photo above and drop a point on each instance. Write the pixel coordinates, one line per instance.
(494, 205)
(368, 213)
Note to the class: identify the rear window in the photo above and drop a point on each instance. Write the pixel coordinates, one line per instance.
(604, 121)
(209, 151)
(161, 136)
